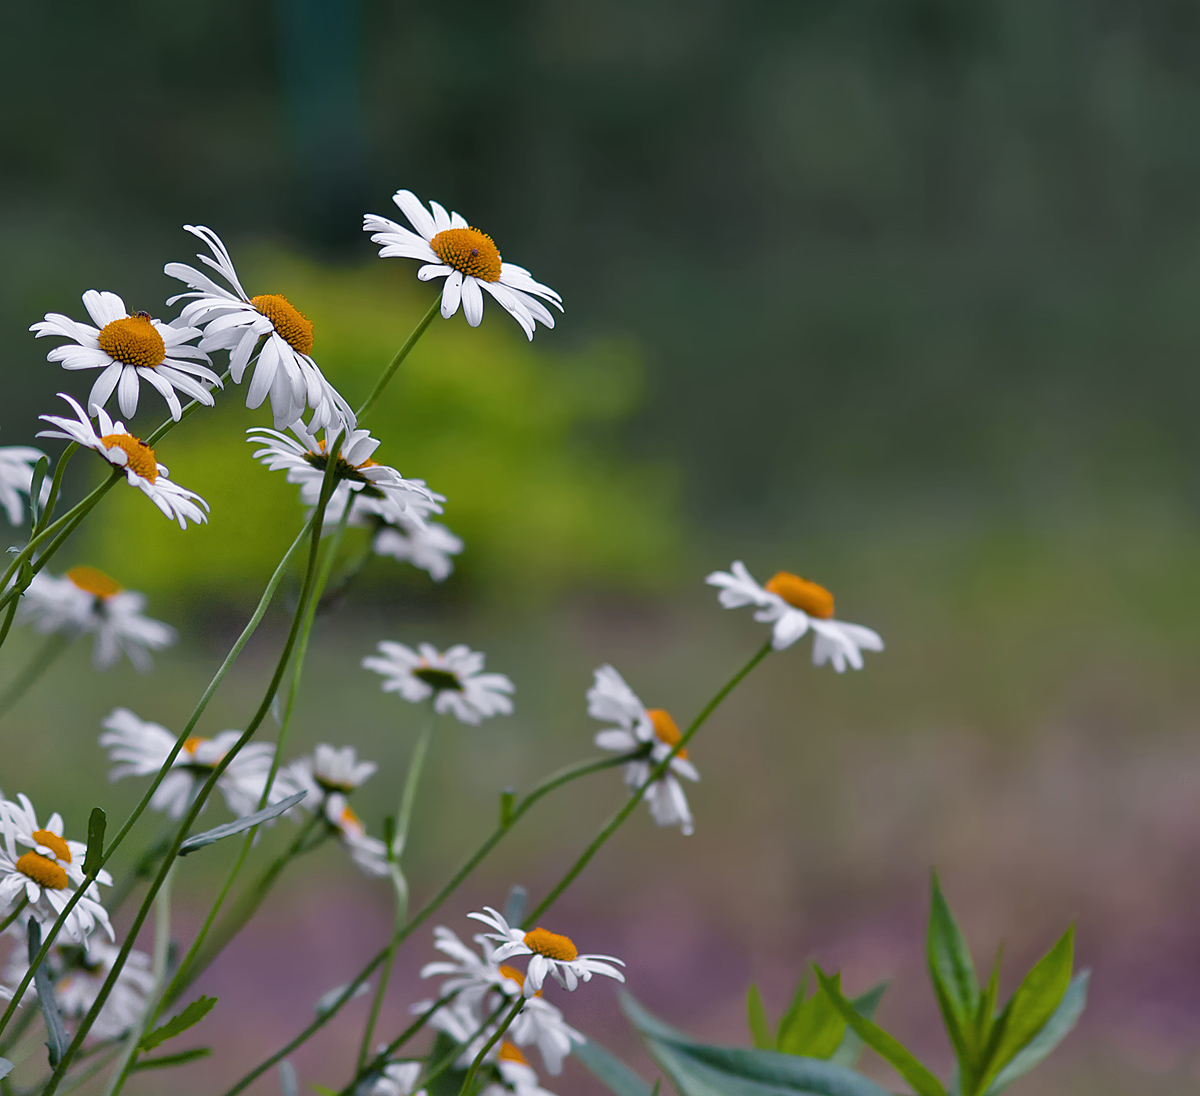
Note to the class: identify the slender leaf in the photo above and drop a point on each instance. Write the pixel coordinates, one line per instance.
(450, 1082)
(851, 1046)
(165, 1061)
(886, 1046)
(756, 1015)
(327, 1000)
(1064, 1019)
(35, 490)
(208, 837)
(817, 1027)
(324, 1090)
(177, 1025)
(97, 821)
(985, 1016)
(955, 984)
(56, 1035)
(789, 1017)
(5, 1068)
(609, 1070)
(288, 1084)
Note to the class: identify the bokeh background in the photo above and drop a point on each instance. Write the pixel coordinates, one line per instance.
(896, 293)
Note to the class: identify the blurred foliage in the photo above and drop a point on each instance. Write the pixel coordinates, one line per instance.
(517, 438)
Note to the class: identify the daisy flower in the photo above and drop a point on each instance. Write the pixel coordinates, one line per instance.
(16, 478)
(48, 874)
(79, 971)
(794, 605)
(651, 731)
(398, 1079)
(454, 679)
(464, 1024)
(328, 770)
(549, 954)
(467, 258)
(233, 321)
(86, 600)
(369, 853)
(117, 446)
(138, 748)
(428, 546)
(127, 349)
(467, 973)
(516, 1075)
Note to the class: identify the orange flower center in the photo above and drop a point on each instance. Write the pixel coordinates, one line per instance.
(292, 325)
(140, 457)
(92, 580)
(54, 843)
(350, 821)
(802, 594)
(469, 251)
(43, 871)
(510, 1053)
(133, 341)
(551, 945)
(516, 976)
(193, 744)
(665, 729)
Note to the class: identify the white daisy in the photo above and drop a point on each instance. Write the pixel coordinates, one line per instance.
(464, 1024)
(516, 1075)
(79, 971)
(49, 874)
(233, 321)
(428, 546)
(650, 730)
(549, 954)
(794, 605)
(328, 770)
(467, 258)
(454, 679)
(16, 478)
(116, 445)
(139, 748)
(398, 1079)
(467, 973)
(369, 853)
(86, 600)
(376, 489)
(541, 1024)
(129, 348)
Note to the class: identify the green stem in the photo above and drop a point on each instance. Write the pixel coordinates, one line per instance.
(38, 665)
(380, 1059)
(401, 354)
(452, 1056)
(55, 486)
(497, 1035)
(656, 773)
(15, 913)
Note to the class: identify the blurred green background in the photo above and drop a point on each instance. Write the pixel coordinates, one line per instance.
(896, 293)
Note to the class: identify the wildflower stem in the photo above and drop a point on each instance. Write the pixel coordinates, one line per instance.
(656, 773)
(55, 486)
(15, 913)
(380, 1059)
(401, 354)
(505, 1024)
(38, 665)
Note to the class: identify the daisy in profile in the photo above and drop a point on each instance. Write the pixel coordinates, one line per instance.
(142, 470)
(467, 258)
(269, 323)
(794, 605)
(397, 1079)
(138, 748)
(87, 601)
(16, 478)
(548, 953)
(454, 678)
(427, 545)
(327, 771)
(79, 971)
(128, 349)
(369, 853)
(39, 865)
(651, 731)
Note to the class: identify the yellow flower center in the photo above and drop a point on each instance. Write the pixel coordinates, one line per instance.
(293, 326)
(91, 580)
(510, 1053)
(802, 594)
(54, 843)
(665, 729)
(470, 251)
(141, 456)
(43, 871)
(133, 341)
(191, 745)
(345, 470)
(551, 945)
(350, 821)
(516, 976)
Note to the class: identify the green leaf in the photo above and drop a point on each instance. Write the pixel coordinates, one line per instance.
(177, 1025)
(816, 1028)
(35, 490)
(760, 1029)
(851, 1045)
(886, 1046)
(449, 1082)
(789, 1017)
(198, 841)
(164, 1061)
(1030, 1008)
(324, 1090)
(609, 1070)
(56, 1035)
(97, 822)
(1064, 1019)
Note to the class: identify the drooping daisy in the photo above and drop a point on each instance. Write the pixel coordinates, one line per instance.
(541, 1024)
(79, 971)
(794, 605)
(650, 730)
(398, 1079)
(234, 321)
(516, 1075)
(369, 853)
(454, 679)
(48, 874)
(328, 770)
(467, 258)
(16, 478)
(549, 954)
(139, 748)
(86, 600)
(117, 446)
(129, 348)
(428, 546)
